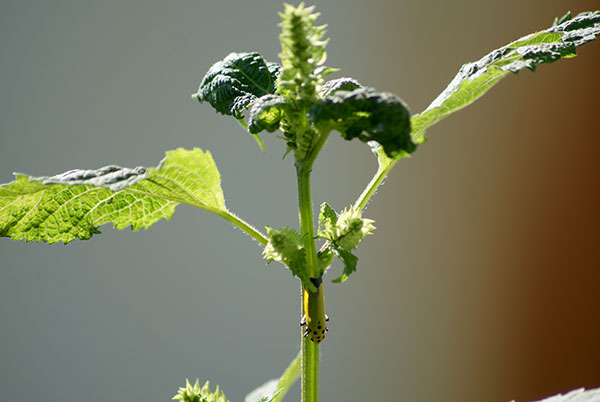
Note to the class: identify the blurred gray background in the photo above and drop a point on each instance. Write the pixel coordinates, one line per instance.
(481, 282)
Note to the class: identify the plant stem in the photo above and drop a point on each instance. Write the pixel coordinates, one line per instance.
(244, 226)
(310, 370)
(380, 175)
(310, 350)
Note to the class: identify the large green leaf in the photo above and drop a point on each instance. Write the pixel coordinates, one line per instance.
(474, 79)
(74, 204)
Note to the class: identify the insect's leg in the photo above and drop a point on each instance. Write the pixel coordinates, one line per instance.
(326, 318)
(303, 321)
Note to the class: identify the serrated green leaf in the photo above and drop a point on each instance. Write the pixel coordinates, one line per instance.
(343, 233)
(74, 204)
(475, 79)
(232, 84)
(327, 219)
(285, 245)
(368, 115)
(350, 262)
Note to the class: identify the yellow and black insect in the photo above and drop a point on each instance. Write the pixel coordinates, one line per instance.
(314, 312)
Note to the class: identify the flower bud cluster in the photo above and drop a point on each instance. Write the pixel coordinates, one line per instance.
(302, 51)
(193, 393)
(348, 230)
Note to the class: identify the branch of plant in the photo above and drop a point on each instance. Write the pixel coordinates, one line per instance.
(243, 226)
(376, 181)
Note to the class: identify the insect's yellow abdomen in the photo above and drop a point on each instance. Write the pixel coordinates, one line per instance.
(314, 312)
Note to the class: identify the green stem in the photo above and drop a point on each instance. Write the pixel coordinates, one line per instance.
(374, 184)
(258, 140)
(244, 226)
(310, 370)
(306, 220)
(310, 350)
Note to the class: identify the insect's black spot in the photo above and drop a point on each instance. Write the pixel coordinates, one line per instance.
(314, 332)
(319, 327)
(323, 331)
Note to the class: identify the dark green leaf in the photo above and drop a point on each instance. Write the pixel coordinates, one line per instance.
(232, 84)
(368, 115)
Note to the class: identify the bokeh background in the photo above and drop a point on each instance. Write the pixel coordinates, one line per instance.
(481, 283)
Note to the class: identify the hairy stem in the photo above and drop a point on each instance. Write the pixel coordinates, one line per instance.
(288, 378)
(310, 350)
(244, 226)
(374, 184)
(310, 370)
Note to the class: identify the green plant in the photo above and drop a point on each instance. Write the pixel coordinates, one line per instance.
(296, 99)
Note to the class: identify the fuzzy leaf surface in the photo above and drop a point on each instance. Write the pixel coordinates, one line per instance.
(475, 79)
(74, 204)
(232, 84)
(368, 115)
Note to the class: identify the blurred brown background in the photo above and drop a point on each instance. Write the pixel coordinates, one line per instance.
(481, 282)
